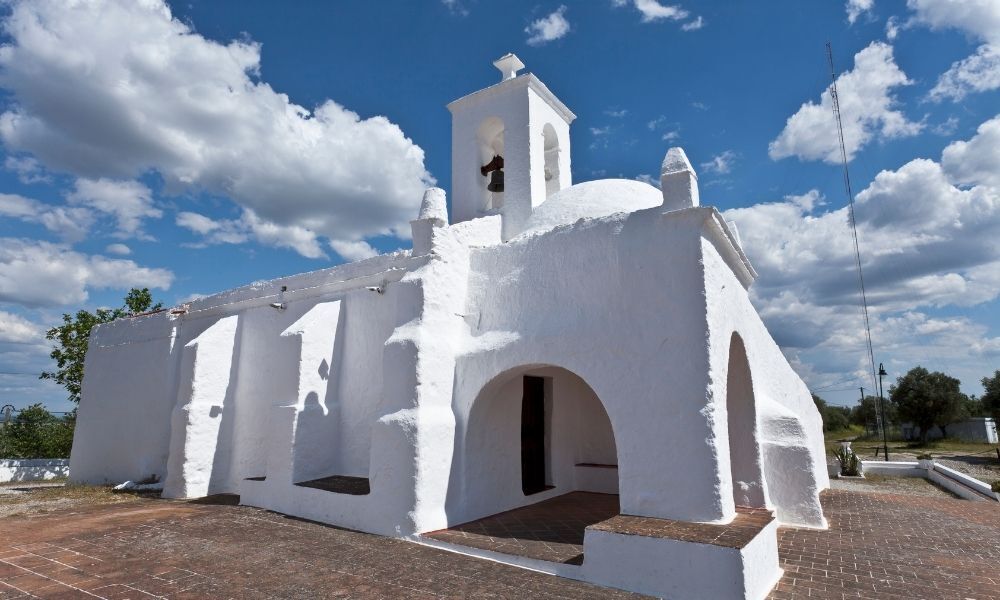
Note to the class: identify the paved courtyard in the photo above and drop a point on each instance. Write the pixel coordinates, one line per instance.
(880, 545)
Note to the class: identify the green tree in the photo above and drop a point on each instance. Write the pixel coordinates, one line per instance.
(865, 413)
(37, 433)
(72, 336)
(835, 418)
(927, 399)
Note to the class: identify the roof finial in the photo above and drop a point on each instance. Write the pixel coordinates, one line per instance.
(509, 64)
(678, 180)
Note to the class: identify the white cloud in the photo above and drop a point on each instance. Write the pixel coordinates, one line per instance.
(549, 28)
(249, 225)
(694, 25)
(15, 329)
(116, 88)
(654, 11)
(616, 113)
(647, 178)
(977, 73)
(947, 127)
(358, 250)
(192, 297)
(599, 131)
(976, 161)
(129, 202)
(198, 223)
(70, 224)
(27, 168)
(720, 163)
(867, 110)
(456, 7)
(36, 273)
(978, 18)
(656, 123)
(671, 136)
(892, 27)
(119, 249)
(856, 8)
(925, 243)
(18, 207)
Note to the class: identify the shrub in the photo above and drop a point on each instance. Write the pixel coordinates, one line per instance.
(37, 433)
(849, 463)
(995, 486)
(924, 456)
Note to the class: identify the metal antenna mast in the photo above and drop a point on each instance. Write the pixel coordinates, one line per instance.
(854, 230)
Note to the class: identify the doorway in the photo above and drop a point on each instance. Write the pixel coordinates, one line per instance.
(533, 435)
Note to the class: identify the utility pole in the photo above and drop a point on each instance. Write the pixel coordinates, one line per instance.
(835, 97)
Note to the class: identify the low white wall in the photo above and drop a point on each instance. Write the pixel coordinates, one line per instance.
(965, 479)
(954, 481)
(668, 568)
(892, 469)
(38, 469)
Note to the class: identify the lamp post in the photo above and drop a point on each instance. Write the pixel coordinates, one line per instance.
(881, 405)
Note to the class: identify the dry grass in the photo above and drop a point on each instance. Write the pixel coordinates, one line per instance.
(23, 499)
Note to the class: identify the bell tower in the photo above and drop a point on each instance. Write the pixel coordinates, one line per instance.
(509, 148)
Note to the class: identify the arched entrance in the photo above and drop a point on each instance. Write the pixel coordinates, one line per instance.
(744, 449)
(534, 433)
(539, 466)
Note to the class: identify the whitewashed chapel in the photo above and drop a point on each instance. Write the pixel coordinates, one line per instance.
(548, 339)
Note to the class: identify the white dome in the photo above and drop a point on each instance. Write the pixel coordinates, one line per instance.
(592, 199)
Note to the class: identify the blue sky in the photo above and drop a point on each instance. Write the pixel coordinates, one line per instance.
(197, 146)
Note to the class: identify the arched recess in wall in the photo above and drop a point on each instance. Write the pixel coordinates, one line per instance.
(551, 150)
(490, 140)
(744, 447)
(534, 432)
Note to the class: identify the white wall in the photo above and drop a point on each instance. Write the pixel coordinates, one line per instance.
(203, 419)
(123, 422)
(34, 469)
(267, 362)
(541, 113)
(618, 302)
(789, 428)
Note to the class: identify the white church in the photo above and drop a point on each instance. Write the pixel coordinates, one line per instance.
(548, 339)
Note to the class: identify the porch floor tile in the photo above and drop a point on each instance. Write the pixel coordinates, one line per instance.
(550, 530)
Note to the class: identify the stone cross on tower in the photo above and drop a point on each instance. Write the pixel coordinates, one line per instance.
(521, 121)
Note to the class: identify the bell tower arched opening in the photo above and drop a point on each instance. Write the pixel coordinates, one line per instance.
(551, 148)
(490, 142)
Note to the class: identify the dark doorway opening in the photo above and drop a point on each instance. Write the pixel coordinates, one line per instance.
(533, 436)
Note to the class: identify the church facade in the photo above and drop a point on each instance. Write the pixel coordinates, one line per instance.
(547, 338)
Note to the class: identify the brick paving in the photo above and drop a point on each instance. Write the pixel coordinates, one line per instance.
(894, 546)
(878, 546)
(183, 550)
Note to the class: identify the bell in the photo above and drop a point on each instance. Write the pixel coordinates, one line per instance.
(496, 181)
